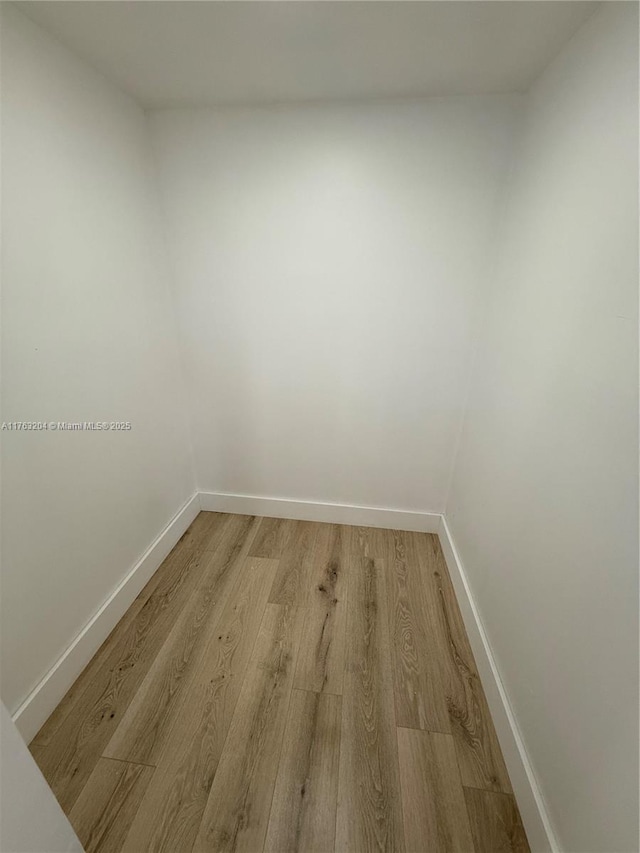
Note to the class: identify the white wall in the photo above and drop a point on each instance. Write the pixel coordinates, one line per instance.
(87, 335)
(544, 505)
(327, 261)
(31, 821)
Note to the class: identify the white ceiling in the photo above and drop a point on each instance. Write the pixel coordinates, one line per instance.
(197, 53)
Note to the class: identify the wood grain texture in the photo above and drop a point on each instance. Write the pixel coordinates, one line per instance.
(495, 822)
(68, 760)
(272, 538)
(416, 647)
(292, 581)
(171, 811)
(479, 756)
(432, 797)
(202, 532)
(303, 813)
(142, 730)
(369, 807)
(265, 670)
(322, 648)
(367, 541)
(104, 810)
(191, 542)
(237, 810)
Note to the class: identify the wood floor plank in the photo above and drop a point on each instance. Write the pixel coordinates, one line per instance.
(239, 803)
(303, 813)
(479, 755)
(432, 797)
(290, 586)
(170, 814)
(495, 822)
(267, 690)
(191, 543)
(369, 806)
(272, 538)
(367, 541)
(322, 647)
(142, 731)
(68, 760)
(104, 810)
(419, 689)
(203, 530)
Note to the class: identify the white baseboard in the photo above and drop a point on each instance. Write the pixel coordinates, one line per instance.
(537, 824)
(368, 516)
(47, 694)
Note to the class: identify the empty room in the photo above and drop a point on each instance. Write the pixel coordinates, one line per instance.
(319, 426)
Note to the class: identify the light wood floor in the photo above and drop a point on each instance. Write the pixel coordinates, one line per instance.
(284, 685)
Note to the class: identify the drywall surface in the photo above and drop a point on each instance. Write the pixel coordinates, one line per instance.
(87, 336)
(327, 260)
(208, 54)
(31, 821)
(544, 504)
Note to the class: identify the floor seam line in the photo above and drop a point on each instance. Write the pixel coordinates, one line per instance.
(128, 761)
